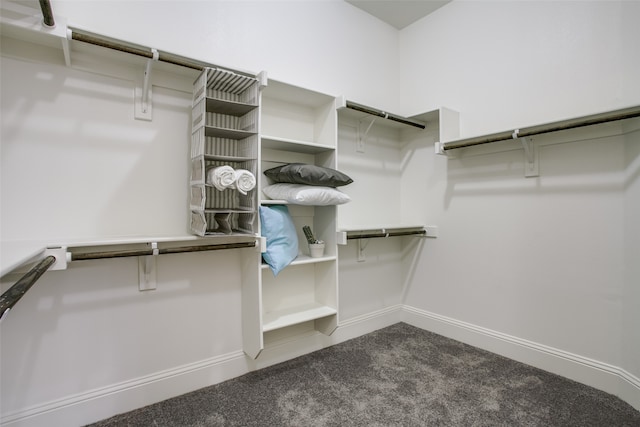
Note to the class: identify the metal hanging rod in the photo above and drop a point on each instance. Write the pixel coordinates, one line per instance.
(387, 234)
(97, 40)
(47, 14)
(385, 115)
(610, 116)
(83, 256)
(15, 292)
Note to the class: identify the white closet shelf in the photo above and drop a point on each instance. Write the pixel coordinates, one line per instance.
(218, 132)
(292, 316)
(221, 158)
(231, 108)
(373, 228)
(18, 253)
(359, 112)
(298, 146)
(346, 233)
(556, 126)
(306, 259)
(296, 94)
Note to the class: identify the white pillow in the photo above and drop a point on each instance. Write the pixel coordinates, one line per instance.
(299, 194)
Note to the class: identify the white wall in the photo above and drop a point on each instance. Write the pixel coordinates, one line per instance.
(561, 285)
(85, 343)
(631, 296)
(326, 45)
(542, 259)
(509, 64)
(75, 163)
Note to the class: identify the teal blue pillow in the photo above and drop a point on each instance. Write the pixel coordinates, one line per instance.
(282, 241)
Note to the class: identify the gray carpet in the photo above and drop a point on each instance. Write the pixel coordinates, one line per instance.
(397, 376)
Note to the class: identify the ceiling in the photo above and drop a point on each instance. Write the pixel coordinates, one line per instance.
(398, 13)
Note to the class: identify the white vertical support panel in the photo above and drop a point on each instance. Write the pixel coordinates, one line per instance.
(449, 124)
(252, 338)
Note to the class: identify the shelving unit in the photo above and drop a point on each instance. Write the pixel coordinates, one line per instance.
(383, 156)
(297, 125)
(225, 128)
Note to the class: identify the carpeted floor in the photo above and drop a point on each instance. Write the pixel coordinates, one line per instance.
(397, 376)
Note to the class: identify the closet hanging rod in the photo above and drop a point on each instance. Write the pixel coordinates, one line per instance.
(47, 13)
(389, 234)
(17, 291)
(145, 52)
(83, 256)
(594, 119)
(385, 115)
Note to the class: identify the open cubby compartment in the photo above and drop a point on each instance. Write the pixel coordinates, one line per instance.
(292, 153)
(297, 114)
(235, 149)
(228, 87)
(381, 162)
(223, 121)
(204, 197)
(202, 164)
(222, 222)
(321, 221)
(300, 293)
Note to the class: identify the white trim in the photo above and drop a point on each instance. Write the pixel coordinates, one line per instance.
(104, 402)
(381, 317)
(602, 376)
(100, 403)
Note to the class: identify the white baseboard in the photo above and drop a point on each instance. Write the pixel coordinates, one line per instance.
(98, 404)
(602, 376)
(366, 323)
(102, 403)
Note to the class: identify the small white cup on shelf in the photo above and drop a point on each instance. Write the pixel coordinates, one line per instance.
(316, 250)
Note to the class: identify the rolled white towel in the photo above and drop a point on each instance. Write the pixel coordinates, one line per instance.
(245, 181)
(221, 177)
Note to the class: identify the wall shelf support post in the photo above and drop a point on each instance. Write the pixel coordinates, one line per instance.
(362, 136)
(143, 91)
(147, 270)
(531, 157)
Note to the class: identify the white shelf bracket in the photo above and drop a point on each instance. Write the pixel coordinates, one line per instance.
(362, 136)
(66, 50)
(147, 270)
(143, 91)
(62, 257)
(361, 246)
(531, 156)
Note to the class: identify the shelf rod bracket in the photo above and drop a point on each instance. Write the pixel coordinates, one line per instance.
(531, 156)
(143, 91)
(66, 50)
(362, 136)
(147, 270)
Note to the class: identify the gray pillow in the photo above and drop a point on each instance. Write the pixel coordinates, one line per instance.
(302, 173)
